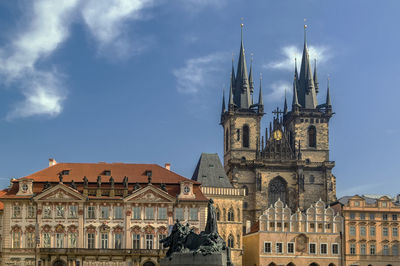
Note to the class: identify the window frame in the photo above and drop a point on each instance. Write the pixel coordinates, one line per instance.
(333, 249)
(314, 247)
(293, 247)
(281, 247)
(270, 247)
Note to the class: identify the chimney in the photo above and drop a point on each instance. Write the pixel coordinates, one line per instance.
(168, 166)
(248, 226)
(52, 162)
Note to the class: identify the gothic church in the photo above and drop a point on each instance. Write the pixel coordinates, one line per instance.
(291, 160)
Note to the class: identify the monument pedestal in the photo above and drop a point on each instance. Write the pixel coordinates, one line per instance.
(188, 259)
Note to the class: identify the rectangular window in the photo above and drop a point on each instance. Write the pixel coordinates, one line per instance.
(16, 211)
(104, 212)
(30, 240)
(363, 248)
(324, 248)
(352, 249)
(362, 216)
(91, 240)
(16, 239)
(104, 240)
(47, 212)
(118, 241)
(395, 232)
(372, 249)
(179, 214)
(312, 248)
(363, 231)
(312, 225)
(352, 230)
(149, 213)
(335, 249)
(59, 211)
(162, 213)
(72, 211)
(193, 214)
(118, 212)
(136, 213)
(352, 215)
(372, 216)
(59, 240)
(91, 212)
(385, 231)
(385, 250)
(136, 241)
(290, 248)
(72, 240)
(384, 217)
(149, 241)
(395, 250)
(46, 240)
(394, 217)
(372, 231)
(31, 212)
(267, 247)
(161, 237)
(279, 248)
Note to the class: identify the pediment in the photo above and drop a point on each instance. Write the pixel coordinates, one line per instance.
(60, 192)
(150, 194)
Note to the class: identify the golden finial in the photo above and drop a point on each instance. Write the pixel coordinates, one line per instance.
(305, 25)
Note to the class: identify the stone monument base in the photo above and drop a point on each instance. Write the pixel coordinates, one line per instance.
(189, 259)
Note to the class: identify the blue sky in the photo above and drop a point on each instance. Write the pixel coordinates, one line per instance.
(141, 81)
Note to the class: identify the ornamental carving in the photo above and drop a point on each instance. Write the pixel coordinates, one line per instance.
(91, 229)
(301, 243)
(16, 228)
(162, 230)
(117, 229)
(30, 229)
(128, 213)
(39, 211)
(104, 228)
(72, 228)
(46, 228)
(80, 212)
(135, 229)
(60, 228)
(149, 229)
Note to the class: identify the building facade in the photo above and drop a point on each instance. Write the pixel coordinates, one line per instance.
(371, 231)
(305, 238)
(228, 202)
(291, 160)
(96, 214)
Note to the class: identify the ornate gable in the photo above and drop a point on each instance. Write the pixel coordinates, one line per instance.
(60, 192)
(150, 194)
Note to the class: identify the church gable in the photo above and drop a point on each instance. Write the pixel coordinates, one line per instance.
(150, 194)
(60, 193)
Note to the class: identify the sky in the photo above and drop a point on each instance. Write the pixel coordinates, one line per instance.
(141, 81)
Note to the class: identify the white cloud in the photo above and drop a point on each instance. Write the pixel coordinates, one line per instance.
(321, 53)
(197, 5)
(277, 91)
(47, 30)
(196, 73)
(106, 20)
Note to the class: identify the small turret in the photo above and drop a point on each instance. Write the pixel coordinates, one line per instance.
(223, 103)
(285, 107)
(260, 98)
(316, 84)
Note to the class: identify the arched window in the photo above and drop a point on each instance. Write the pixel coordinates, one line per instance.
(277, 189)
(231, 215)
(226, 140)
(312, 137)
(218, 213)
(246, 134)
(230, 241)
(246, 190)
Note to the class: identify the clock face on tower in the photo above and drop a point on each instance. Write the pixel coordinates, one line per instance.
(277, 134)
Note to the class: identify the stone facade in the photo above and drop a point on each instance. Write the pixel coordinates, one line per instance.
(281, 237)
(99, 220)
(371, 231)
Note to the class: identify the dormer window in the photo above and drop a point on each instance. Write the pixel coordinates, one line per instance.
(24, 187)
(186, 189)
(107, 172)
(65, 172)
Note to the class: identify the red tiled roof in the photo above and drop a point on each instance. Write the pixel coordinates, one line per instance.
(2, 193)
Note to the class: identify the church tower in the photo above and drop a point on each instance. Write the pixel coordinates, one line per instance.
(291, 161)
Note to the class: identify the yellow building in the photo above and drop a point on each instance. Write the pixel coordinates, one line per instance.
(371, 231)
(228, 202)
(96, 214)
(302, 239)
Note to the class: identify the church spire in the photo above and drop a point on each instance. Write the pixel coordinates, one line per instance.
(260, 98)
(307, 94)
(315, 77)
(328, 97)
(251, 76)
(295, 102)
(285, 108)
(231, 103)
(242, 94)
(223, 102)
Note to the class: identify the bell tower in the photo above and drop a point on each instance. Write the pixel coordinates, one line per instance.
(241, 119)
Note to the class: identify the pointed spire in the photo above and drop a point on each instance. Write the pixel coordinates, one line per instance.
(328, 96)
(242, 93)
(251, 76)
(233, 78)
(285, 108)
(315, 77)
(295, 102)
(260, 98)
(231, 103)
(223, 102)
(296, 74)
